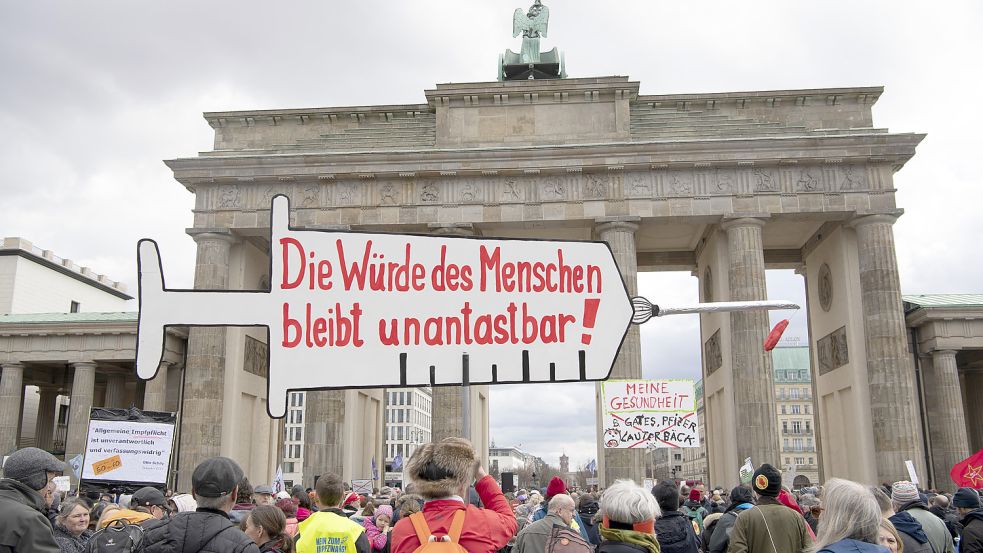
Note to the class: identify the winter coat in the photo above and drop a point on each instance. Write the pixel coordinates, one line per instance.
(204, 530)
(541, 513)
(377, 538)
(23, 525)
(720, 537)
(485, 530)
(302, 514)
(674, 532)
(787, 529)
(533, 538)
(913, 537)
(70, 543)
(938, 534)
(812, 521)
(592, 528)
(331, 523)
(272, 546)
(240, 511)
(853, 546)
(971, 539)
(950, 518)
(614, 540)
(291, 528)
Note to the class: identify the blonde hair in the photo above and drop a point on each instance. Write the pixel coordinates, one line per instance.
(851, 512)
(886, 524)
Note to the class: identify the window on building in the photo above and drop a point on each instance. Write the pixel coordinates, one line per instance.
(796, 409)
(678, 456)
(796, 427)
(785, 443)
(409, 398)
(800, 460)
(808, 442)
(785, 426)
(807, 409)
(788, 460)
(783, 408)
(74, 307)
(795, 393)
(810, 460)
(288, 466)
(808, 424)
(797, 443)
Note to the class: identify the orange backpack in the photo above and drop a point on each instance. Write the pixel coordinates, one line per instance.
(432, 544)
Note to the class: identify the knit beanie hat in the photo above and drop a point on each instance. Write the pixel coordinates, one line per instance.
(695, 495)
(903, 492)
(767, 481)
(741, 494)
(556, 487)
(386, 510)
(967, 498)
(30, 466)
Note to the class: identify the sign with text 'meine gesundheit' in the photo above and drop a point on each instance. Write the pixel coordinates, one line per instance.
(649, 413)
(358, 310)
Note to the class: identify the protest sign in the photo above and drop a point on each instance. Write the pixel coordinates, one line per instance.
(128, 445)
(654, 413)
(912, 475)
(362, 487)
(62, 483)
(360, 310)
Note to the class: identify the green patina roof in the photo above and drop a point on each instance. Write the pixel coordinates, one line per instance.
(790, 358)
(942, 300)
(38, 318)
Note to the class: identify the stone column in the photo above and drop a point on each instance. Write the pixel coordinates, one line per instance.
(889, 370)
(115, 390)
(973, 388)
(946, 416)
(155, 393)
(324, 434)
(619, 233)
(754, 392)
(448, 401)
(11, 398)
(44, 432)
(83, 388)
(204, 382)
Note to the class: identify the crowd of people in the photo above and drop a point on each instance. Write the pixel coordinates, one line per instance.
(451, 503)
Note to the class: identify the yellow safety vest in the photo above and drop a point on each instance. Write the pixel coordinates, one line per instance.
(327, 532)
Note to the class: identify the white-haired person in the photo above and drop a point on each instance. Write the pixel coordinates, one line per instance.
(628, 524)
(851, 520)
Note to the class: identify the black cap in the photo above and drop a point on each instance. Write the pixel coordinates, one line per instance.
(967, 498)
(767, 481)
(145, 497)
(216, 477)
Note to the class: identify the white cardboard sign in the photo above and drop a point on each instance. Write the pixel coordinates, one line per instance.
(649, 413)
(127, 451)
(360, 310)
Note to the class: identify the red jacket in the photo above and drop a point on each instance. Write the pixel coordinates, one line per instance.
(485, 530)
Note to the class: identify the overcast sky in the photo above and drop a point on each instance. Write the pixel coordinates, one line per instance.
(95, 94)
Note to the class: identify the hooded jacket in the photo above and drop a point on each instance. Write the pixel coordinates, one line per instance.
(938, 534)
(205, 530)
(913, 537)
(24, 526)
(720, 538)
(853, 546)
(971, 539)
(674, 531)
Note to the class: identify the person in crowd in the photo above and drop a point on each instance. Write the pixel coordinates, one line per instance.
(587, 508)
(769, 526)
(378, 526)
(24, 525)
(108, 514)
(351, 503)
(406, 505)
(304, 505)
(812, 510)
(905, 498)
(330, 522)
(630, 513)
(555, 487)
(181, 503)
(910, 532)
(888, 537)
(244, 494)
(741, 499)
(215, 487)
(716, 504)
(95, 513)
(852, 520)
(146, 504)
(674, 530)
(967, 502)
(289, 507)
(71, 529)
(263, 495)
(709, 525)
(694, 509)
(534, 537)
(940, 508)
(266, 526)
(441, 472)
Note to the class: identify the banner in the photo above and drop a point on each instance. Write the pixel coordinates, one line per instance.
(746, 471)
(419, 309)
(362, 487)
(638, 413)
(128, 446)
(968, 473)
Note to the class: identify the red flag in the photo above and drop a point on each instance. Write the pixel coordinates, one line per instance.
(968, 473)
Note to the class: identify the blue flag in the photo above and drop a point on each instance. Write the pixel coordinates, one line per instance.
(375, 470)
(592, 465)
(76, 463)
(398, 461)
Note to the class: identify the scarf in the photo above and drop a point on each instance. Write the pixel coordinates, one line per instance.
(647, 541)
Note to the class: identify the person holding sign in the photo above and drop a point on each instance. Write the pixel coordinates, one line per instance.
(23, 525)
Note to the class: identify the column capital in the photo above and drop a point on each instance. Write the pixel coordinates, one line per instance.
(944, 352)
(13, 365)
(211, 234)
(734, 221)
(84, 365)
(625, 223)
(862, 219)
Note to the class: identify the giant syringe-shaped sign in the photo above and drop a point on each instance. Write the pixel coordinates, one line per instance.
(358, 310)
(362, 310)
